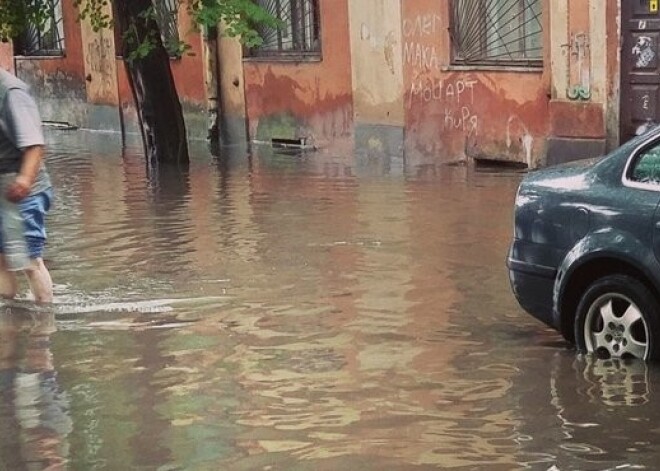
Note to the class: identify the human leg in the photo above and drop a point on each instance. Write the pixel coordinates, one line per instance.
(33, 210)
(40, 281)
(8, 283)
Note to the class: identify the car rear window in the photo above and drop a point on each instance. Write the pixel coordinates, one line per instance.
(647, 166)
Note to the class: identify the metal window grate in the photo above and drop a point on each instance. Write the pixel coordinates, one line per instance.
(497, 31)
(299, 33)
(46, 39)
(167, 13)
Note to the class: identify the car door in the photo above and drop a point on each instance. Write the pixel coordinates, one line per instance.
(643, 175)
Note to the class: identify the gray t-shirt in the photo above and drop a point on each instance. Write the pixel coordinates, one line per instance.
(20, 127)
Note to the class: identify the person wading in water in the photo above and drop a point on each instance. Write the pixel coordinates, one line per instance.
(26, 191)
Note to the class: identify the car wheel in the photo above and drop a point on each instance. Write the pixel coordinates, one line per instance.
(617, 317)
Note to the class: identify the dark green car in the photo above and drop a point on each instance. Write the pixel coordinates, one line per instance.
(586, 250)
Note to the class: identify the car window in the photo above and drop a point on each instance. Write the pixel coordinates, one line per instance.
(647, 166)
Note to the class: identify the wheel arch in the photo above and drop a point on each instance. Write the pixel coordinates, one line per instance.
(582, 276)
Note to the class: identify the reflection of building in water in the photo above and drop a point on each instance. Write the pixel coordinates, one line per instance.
(354, 362)
(34, 411)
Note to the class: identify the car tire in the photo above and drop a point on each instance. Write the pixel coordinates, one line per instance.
(618, 317)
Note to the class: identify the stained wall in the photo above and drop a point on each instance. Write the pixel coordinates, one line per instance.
(385, 83)
(310, 99)
(88, 87)
(377, 73)
(459, 112)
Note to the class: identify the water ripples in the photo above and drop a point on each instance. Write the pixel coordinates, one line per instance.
(287, 312)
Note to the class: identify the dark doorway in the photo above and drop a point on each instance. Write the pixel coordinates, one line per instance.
(640, 66)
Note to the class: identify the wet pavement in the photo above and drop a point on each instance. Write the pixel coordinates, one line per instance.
(297, 312)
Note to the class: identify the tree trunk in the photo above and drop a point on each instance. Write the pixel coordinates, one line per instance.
(158, 107)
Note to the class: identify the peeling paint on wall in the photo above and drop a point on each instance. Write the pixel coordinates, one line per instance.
(389, 50)
(100, 68)
(458, 112)
(525, 139)
(377, 72)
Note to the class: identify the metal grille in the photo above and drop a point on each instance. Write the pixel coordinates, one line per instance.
(497, 31)
(167, 12)
(298, 33)
(46, 39)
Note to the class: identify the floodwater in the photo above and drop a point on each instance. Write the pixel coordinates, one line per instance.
(297, 312)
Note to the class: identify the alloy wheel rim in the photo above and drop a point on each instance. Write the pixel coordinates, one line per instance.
(615, 328)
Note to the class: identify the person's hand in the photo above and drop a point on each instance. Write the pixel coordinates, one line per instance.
(19, 189)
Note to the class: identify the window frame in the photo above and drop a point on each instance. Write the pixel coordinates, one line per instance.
(313, 53)
(56, 20)
(483, 60)
(634, 158)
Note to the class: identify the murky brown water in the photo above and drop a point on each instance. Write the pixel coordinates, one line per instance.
(297, 313)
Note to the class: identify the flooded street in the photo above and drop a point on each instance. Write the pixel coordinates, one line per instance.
(297, 312)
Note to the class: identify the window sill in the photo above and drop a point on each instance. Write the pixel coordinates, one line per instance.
(41, 57)
(292, 59)
(526, 69)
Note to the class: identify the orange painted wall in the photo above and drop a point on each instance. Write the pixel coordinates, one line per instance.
(63, 75)
(63, 78)
(189, 70)
(453, 112)
(305, 99)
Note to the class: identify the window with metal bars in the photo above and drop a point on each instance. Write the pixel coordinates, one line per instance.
(46, 39)
(298, 34)
(167, 13)
(497, 32)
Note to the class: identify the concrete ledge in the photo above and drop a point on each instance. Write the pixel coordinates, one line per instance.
(567, 149)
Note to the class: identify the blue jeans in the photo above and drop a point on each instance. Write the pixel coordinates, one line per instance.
(33, 210)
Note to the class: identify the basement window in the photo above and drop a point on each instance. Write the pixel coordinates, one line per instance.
(497, 32)
(46, 39)
(299, 34)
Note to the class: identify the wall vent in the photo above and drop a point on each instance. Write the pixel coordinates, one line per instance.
(283, 142)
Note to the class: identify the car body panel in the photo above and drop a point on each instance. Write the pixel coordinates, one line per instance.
(617, 245)
(573, 214)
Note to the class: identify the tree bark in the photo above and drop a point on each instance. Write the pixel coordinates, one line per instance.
(156, 100)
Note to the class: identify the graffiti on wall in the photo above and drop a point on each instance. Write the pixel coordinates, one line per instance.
(579, 70)
(455, 97)
(415, 52)
(643, 52)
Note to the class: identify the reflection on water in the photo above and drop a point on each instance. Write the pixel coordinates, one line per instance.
(298, 312)
(34, 411)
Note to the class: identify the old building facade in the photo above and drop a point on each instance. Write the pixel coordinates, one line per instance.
(420, 82)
